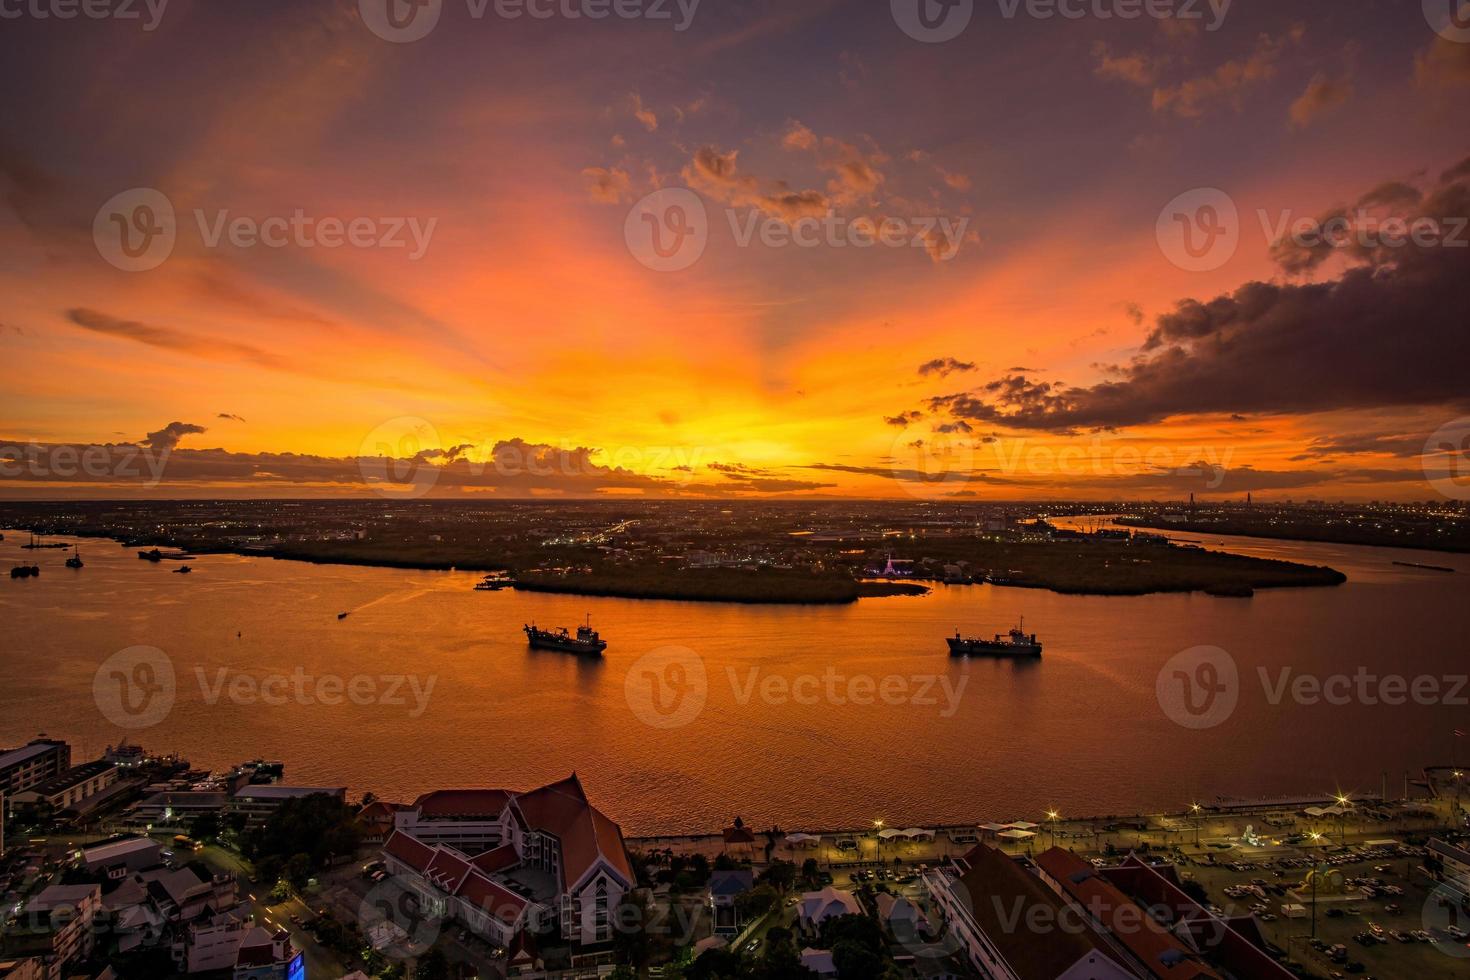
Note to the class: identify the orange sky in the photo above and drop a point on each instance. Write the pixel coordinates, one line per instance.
(529, 316)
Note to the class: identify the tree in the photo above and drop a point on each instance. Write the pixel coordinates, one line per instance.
(717, 964)
(856, 961)
(810, 871)
(206, 827)
(298, 871)
(758, 901)
(432, 966)
(780, 874)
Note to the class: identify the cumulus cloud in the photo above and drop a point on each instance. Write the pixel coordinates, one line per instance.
(608, 185)
(1193, 97)
(1323, 94)
(1389, 331)
(718, 175)
(168, 437)
(945, 366)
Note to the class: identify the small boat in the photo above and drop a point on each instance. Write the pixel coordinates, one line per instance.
(342, 615)
(154, 555)
(25, 571)
(75, 561)
(586, 643)
(183, 570)
(1017, 643)
(494, 583)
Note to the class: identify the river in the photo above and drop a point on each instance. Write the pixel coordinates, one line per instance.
(813, 717)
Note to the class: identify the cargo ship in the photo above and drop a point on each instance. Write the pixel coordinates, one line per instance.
(586, 643)
(1017, 643)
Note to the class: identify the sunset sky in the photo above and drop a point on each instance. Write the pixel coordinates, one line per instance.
(1061, 344)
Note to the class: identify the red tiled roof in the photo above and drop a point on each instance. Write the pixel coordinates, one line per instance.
(491, 898)
(497, 859)
(1150, 941)
(488, 803)
(447, 870)
(409, 850)
(738, 835)
(379, 810)
(1003, 896)
(562, 810)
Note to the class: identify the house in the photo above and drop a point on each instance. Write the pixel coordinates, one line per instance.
(1011, 926)
(720, 894)
(819, 961)
(212, 942)
(829, 903)
(117, 857)
(377, 819)
(904, 920)
(501, 861)
(264, 955)
(523, 959)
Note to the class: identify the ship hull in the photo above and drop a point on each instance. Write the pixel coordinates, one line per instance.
(564, 644)
(985, 648)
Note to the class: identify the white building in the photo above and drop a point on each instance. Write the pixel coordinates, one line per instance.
(499, 861)
(1455, 862)
(988, 902)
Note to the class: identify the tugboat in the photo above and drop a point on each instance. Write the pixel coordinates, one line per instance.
(183, 570)
(494, 583)
(586, 643)
(25, 571)
(1018, 643)
(75, 561)
(154, 555)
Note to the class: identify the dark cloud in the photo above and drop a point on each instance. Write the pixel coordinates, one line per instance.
(945, 366)
(904, 420)
(168, 437)
(169, 338)
(228, 415)
(1390, 332)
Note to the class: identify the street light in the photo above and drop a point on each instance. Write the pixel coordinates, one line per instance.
(1053, 816)
(878, 841)
(1194, 808)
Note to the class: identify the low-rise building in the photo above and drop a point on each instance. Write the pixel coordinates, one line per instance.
(721, 892)
(33, 763)
(1453, 865)
(500, 860)
(59, 926)
(819, 906)
(72, 790)
(121, 856)
(30, 968)
(258, 802)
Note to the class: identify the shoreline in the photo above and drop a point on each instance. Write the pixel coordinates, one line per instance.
(818, 592)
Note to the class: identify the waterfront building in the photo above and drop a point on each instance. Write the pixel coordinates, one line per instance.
(258, 801)
(502, 862)
(33, 763)
(78, 790)
(116, 858)
(1454, 865)
(1011, 926)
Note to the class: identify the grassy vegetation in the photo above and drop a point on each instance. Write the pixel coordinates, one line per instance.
(699, 584)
